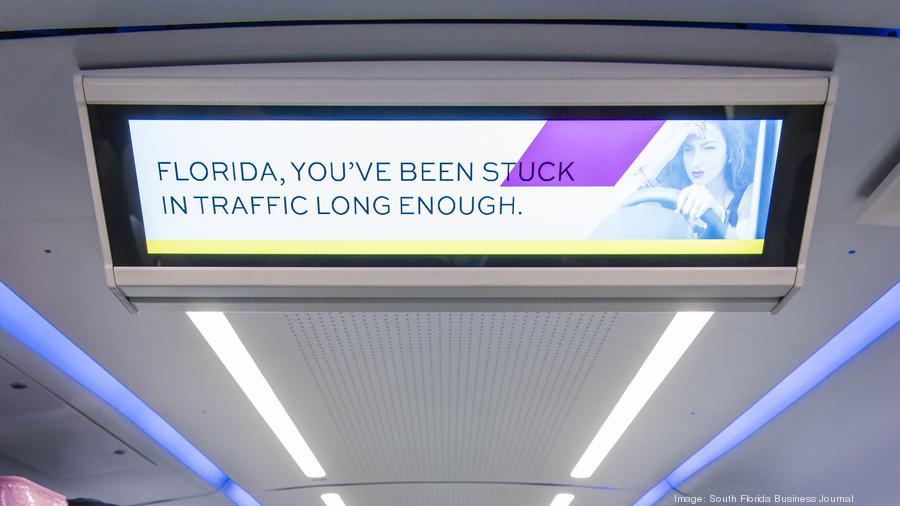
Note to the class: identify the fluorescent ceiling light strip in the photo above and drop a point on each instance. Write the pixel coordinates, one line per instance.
(871, 324)
(562, 500)
(332, 500)
(28, 326)
(224, 341)
(674, 341)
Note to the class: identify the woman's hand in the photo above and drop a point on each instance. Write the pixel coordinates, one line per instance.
(695, 200)
(669, 148)
(678, 135)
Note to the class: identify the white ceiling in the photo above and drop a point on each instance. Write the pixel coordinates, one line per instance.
(398, 397)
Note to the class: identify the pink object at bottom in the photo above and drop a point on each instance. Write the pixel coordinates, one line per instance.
(16, 491)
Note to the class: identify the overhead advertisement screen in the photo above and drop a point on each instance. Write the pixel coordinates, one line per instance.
(454, 186)
(417, 185)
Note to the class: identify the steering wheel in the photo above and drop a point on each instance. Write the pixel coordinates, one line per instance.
(668, 198)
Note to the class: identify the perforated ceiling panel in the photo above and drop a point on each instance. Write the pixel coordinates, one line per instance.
(430, 397)
(459, 393)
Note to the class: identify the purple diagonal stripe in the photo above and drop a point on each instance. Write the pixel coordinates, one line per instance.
(583, 152)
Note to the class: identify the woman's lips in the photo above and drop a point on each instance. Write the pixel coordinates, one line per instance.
(697, 174)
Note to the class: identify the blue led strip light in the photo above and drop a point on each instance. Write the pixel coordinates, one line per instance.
(28, 326)
(871, 324)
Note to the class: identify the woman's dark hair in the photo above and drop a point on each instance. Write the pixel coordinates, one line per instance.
(740, 159)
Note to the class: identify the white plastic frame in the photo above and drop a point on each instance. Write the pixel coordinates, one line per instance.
(472, 83)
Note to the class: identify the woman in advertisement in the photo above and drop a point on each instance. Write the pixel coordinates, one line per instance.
(713, 167)
(711, 164)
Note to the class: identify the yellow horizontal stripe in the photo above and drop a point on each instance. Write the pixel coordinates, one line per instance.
(586, 247)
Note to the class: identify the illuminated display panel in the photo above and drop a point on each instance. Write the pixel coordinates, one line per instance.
(455, 186)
